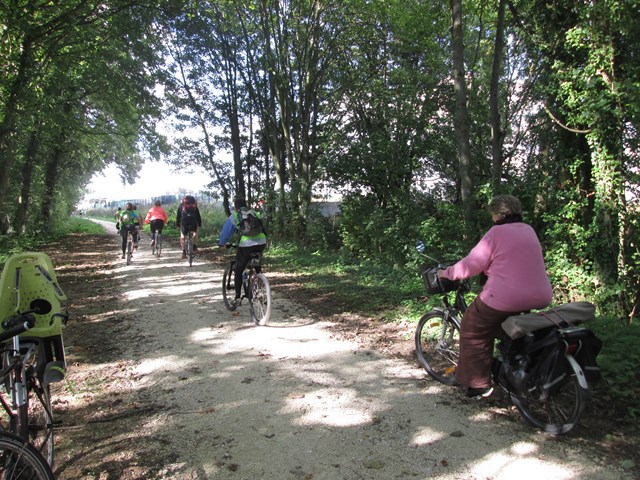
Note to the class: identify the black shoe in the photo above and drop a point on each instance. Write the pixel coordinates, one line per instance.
(478, 393)
(195, 248)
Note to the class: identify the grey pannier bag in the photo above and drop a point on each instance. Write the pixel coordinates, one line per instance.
(562, 316)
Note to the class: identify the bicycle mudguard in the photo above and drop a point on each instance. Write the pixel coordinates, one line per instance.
(27, 277)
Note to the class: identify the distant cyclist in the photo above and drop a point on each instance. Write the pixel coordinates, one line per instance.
(253, 238)
(130, 221)
(157, 218)
(188, 219)
(117, 217)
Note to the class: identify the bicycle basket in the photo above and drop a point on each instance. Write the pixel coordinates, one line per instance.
(433, 284)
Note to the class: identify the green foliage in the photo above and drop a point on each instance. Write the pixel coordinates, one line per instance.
(10, 245)
(361, 286)
(619, 360)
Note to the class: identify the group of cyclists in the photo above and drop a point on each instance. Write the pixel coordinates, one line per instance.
(188, 219)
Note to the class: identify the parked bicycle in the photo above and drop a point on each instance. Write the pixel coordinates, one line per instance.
(31, 348)
(540, 364)
(255, 287)
(19, 460)
(26, 398)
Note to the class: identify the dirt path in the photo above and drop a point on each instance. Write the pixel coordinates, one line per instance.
(165, 383)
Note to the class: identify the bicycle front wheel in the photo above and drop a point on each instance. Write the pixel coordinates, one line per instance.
(556, 405)
(21, 461)
(260, 301)
(437, 340)
(228, 288)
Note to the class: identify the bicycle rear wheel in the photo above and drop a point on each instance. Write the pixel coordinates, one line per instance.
(437, 341)
(129, 249)
(21, 461)
(158, 244)
(190, 248)
(260, 301)
(154, 243)
(228, 288)
(554, 407)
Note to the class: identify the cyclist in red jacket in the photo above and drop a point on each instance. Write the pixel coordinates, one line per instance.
(157, 218)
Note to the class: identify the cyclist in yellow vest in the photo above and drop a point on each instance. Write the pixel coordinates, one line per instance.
(248, 243)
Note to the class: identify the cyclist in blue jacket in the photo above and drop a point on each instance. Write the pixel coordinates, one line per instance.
(247, 243)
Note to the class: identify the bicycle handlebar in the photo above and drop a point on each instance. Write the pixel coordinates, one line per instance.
(17, 324)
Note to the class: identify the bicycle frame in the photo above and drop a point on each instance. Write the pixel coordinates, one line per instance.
(20, 377)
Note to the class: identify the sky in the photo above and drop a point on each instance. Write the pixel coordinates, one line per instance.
(155, 178)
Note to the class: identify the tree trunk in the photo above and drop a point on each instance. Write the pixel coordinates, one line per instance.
(8, 124)
(20, 218)
(494, 95)
(461, 117)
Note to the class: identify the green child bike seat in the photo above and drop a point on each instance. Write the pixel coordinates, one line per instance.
(26, 277)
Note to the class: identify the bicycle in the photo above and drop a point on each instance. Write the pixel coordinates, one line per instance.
(254, 285)
(26, 384)
(188, 245)
(21, 461)
(437, 336)
(130, 244)
(32, 354)
(156, 245)
(540, 366)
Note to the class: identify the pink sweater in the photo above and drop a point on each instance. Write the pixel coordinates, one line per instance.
(511, 256)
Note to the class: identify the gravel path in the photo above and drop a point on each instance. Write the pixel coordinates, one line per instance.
(164, 382)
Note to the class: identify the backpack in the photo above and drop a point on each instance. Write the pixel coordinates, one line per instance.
(249, 225)
(126, 218)
(189, 203)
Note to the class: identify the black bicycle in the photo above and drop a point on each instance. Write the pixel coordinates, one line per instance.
(156, 244)
(19, 460)
(26, 377)
(541, 369)
(254, 285)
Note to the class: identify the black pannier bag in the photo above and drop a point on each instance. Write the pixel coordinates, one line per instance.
(545, 351)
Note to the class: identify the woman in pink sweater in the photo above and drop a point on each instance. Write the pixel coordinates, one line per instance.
(511, 256)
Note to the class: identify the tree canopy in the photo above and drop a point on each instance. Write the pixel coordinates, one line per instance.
(406, 109)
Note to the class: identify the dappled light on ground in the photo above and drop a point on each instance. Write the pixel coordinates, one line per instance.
(166, 383)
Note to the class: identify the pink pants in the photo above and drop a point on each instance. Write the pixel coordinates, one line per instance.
(480, 326)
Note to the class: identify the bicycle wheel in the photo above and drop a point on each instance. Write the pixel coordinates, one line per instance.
(154, 243)
(557, 408)
(437, 340)
(129, 249)
(190, 248)
(260, 301)
(228, 288)
(39, 417)
(158, 244)
(21, 461)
